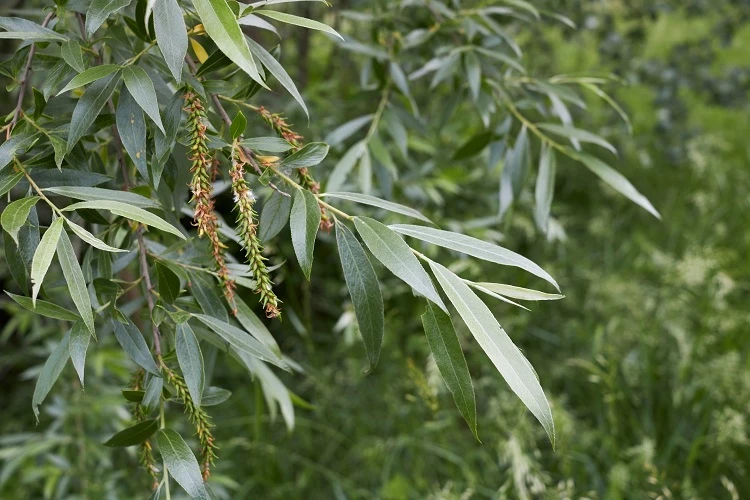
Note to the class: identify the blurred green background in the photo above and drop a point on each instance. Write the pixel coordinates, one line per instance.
(645, 361)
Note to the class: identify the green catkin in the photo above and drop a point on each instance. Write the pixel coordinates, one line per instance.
(198, 417)
(145, 450)
(244, 200)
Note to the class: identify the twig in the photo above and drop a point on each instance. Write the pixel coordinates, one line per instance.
(228, 121)
(24, 83)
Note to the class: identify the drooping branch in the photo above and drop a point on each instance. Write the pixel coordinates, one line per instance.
(24, 83)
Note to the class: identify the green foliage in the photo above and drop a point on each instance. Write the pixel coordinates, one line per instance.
(441, 112)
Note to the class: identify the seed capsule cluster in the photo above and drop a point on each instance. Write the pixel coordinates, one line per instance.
(204, 170)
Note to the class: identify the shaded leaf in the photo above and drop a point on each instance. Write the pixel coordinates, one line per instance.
(132, 341)
(373, 201)
(50, 373)
(190, 358)
(134, 435)
(75, 280)
(79, 344)
(303, 222)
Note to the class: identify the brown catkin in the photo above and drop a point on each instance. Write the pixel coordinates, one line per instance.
(205, 169)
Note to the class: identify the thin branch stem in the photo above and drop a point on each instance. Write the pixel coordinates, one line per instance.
(24, 83)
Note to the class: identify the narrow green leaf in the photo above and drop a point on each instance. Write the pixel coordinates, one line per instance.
(618, 182)
(545, 187)
(96, 194)
(221, 25)
(134, 435)
(493, 340)
(473, 74)
(250, 322)
(214, 396)
(577, 134)
(298, 21)
(168, 283)
(8, 181)
(364, 290)
(474, 247)
(44, 308)
(270, 144)
(73, 55)
(373, 201)
(16, 214)
(171, 35)
(345, 165)
(181, 462)
(23, 29)
(15, 146)
(132, 128)
(61, 148)
(190, 358)
(129, 212)
(132, 341)
(277, 70)
(50, 373)
(238, 126)
(88, 107)
(141, 87)
(204, 290)
(309, 156)
(133, 396)
(303, 222)
(79, 344)
(152, 395)
(90, 238)
(90, 75)
(100, 10)
(241, 340)
(43, 256)
(343, 132)
(450, 360)
(75, 280)
(274, 216)
(395, 254)
(520, 293)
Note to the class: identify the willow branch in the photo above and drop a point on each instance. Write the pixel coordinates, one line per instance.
(24, 83)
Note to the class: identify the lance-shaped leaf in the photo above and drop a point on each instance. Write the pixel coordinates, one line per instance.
(168, 282)
(141, 88)
(373, 201)
(309, 156)
(181, 463)
(364, 290)
(274, 216)
(270, 144)
(79, 344)
(493, 340)
(75, 280)
(250, 322)
(395, 254)
(618, 182)
(303, 222)
(299, 21)
(16, 214)
(343, 132)
(171, 35)
(190, 358)
(14, 146)
(9, 180)
(277, 70)
(73, 55)
(517, 292)
(23, 29)
(50, 373)
(242, 341)
(204, 291)
(43, 256)
(474, 247)
(44, 308)
(221, 25)
(450, 360)
(90, 75)
(135, 434)
(545, 186)
(129, 212)
(89, 106)
(100, 10)
(132, 128)
(578, 135)
(90, 238)
(132, 341)
(95, 193)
